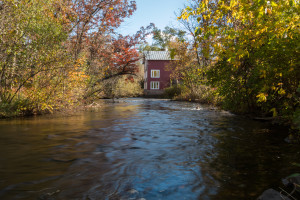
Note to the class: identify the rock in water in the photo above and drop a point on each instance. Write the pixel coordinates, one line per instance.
(133, 191)
(271, 194)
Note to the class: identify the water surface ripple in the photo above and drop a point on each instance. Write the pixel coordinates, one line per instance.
(142, 149)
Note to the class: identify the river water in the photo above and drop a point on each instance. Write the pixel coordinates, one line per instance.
(143, 149)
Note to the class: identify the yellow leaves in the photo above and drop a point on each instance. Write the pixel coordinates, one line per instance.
(273, 4)
(281, 92)
(80, 61)
(263, 74)
(233, 3)
(48, 107)
(262, 97)
(274, 111)
(184, 16)
(261, 11)
(251, 15)
(236, 63)
(242, 53)
(263, 30)
(234, 14)
(260, 31)
(205, 17)
(289, 96)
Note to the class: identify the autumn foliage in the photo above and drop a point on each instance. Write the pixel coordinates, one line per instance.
(254, 49)
(56, 53)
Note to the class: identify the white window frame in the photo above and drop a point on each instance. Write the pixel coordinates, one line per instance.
(154, 85)
(153, 73)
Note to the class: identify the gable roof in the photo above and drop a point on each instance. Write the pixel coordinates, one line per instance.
(157, 55)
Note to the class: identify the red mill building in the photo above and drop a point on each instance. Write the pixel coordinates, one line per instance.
(157, 78)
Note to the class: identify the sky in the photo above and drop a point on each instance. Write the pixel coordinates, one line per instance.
(159, 12)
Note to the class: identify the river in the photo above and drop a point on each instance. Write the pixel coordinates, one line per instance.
(143, 149)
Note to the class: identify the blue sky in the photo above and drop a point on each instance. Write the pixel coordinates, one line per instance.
(159, 12)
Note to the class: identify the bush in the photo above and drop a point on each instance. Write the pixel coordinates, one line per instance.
(173, 91)
(19, 107)
(124, 86)
(200, 93)
(296, 119)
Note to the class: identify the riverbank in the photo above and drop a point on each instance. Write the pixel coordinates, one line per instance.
(209, 96)
(12, 111)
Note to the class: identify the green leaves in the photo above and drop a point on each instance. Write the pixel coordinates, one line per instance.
(294, 175)
(33, 43)
(256, 50)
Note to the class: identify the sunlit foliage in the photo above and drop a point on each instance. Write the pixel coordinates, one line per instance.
(256, 53)
(55, 53)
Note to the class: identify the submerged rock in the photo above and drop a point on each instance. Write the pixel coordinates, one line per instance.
(292, 185)
(292, 179)
(272, 194)
(292, 139)
(133, 191)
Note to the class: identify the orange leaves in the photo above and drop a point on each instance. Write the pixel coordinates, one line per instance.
(80, 61)
(96, 17)
(130, 78)
(125, 54)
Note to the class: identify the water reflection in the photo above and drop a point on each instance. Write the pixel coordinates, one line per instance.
(139, 148)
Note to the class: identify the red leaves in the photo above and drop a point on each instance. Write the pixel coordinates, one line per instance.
(93, 34)
(97, 16)
(109, 13)
(125, 55)
(130, 78)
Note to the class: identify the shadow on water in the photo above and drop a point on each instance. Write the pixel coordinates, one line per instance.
(142, 148)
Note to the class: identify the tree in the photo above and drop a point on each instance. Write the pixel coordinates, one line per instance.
(254, 45)
(196, 29)
(31, 50)
(119, 58)
(185, 67)
(55, 53)
(163, 38)
(96, 17)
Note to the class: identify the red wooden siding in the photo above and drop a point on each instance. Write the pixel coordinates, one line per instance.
(164, 79)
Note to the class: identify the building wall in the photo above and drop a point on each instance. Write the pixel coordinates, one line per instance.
(164, 79)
